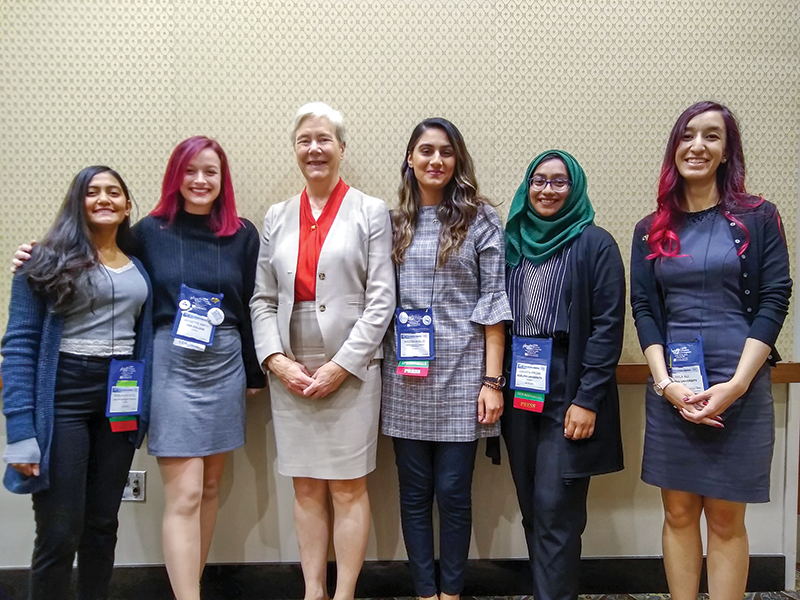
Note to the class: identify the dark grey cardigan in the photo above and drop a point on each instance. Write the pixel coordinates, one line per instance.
(594, 293)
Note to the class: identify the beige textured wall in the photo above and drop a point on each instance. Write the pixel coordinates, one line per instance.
(121, 82)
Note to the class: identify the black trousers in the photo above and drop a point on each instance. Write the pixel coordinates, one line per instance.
(88, 469)
(553, 508)
(443, 469)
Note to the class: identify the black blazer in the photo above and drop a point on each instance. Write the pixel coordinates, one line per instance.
(595, 308)
(764, 279)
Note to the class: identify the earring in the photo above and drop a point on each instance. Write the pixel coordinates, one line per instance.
(724, 160)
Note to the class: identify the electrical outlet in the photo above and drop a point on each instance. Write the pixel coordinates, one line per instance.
(135, 487)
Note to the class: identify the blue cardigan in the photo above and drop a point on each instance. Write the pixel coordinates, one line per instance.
(30, 351)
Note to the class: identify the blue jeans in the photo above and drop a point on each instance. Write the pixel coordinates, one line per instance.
(88, 470)
(443, 469)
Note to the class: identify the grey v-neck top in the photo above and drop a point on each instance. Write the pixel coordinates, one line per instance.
(106, 326)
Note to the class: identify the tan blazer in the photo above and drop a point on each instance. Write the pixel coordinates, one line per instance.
(355, 282)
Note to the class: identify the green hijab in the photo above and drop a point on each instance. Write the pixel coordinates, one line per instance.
(538, 238)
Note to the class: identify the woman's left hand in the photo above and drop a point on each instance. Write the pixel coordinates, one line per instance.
(579, 422)
(490, 405)
(714, 401)
(327, 379)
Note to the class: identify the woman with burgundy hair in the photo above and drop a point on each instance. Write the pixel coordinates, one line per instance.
(194, 240)
(710, 289)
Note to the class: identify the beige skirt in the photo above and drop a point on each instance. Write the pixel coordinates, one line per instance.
(334, 437)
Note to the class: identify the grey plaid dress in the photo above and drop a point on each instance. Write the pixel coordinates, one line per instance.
(469, 293)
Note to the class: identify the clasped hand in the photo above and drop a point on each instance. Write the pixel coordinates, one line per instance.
(297, 379)
(705, 408)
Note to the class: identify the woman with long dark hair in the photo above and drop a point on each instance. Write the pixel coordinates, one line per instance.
(202, 258)
(566, 285)
(79, 324)
(442, 372)
(710, 289)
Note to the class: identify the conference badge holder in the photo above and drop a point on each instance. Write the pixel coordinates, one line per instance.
(530, 371)
(124, 400)
(197, 318)
(415, 345)
(687, 364)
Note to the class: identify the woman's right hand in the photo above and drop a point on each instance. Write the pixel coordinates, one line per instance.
(22, 254)
(677, 394)
(27, 469)
(292, 374)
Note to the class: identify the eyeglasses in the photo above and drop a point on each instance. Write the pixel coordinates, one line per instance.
(538, 183)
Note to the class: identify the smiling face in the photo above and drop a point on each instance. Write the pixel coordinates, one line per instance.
(701, 148)
(202, 181)
(547, 201)
(319, 152)
(433, 160)
(105, 204)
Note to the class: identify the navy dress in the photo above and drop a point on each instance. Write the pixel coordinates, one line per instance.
(701, 292)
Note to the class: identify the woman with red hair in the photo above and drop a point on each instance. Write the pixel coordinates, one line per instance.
(710, 289)
(200, 255)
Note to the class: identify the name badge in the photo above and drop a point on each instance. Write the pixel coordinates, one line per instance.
(124, 399)
(530, 371)
(197, 318)
(415, 341)
(687, 365)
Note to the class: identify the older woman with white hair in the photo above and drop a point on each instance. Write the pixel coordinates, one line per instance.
(324, 297)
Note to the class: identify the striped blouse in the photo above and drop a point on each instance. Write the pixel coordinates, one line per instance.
(536, 292)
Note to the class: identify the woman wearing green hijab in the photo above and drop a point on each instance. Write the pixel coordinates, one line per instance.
(566, 285)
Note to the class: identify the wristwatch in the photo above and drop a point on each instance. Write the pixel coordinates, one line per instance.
(662, 385)
(499, 380)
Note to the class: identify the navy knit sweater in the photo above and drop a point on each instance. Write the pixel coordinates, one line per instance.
(30, 351)
(189, 252)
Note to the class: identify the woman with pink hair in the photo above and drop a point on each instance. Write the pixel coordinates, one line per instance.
(201, 257)
(710, 290)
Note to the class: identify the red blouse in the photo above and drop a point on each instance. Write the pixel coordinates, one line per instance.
(312, 237)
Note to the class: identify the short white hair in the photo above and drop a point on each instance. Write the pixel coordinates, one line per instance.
(320, 109)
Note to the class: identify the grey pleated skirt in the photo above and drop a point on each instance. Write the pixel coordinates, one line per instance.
(198, 401)
(331, 438)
